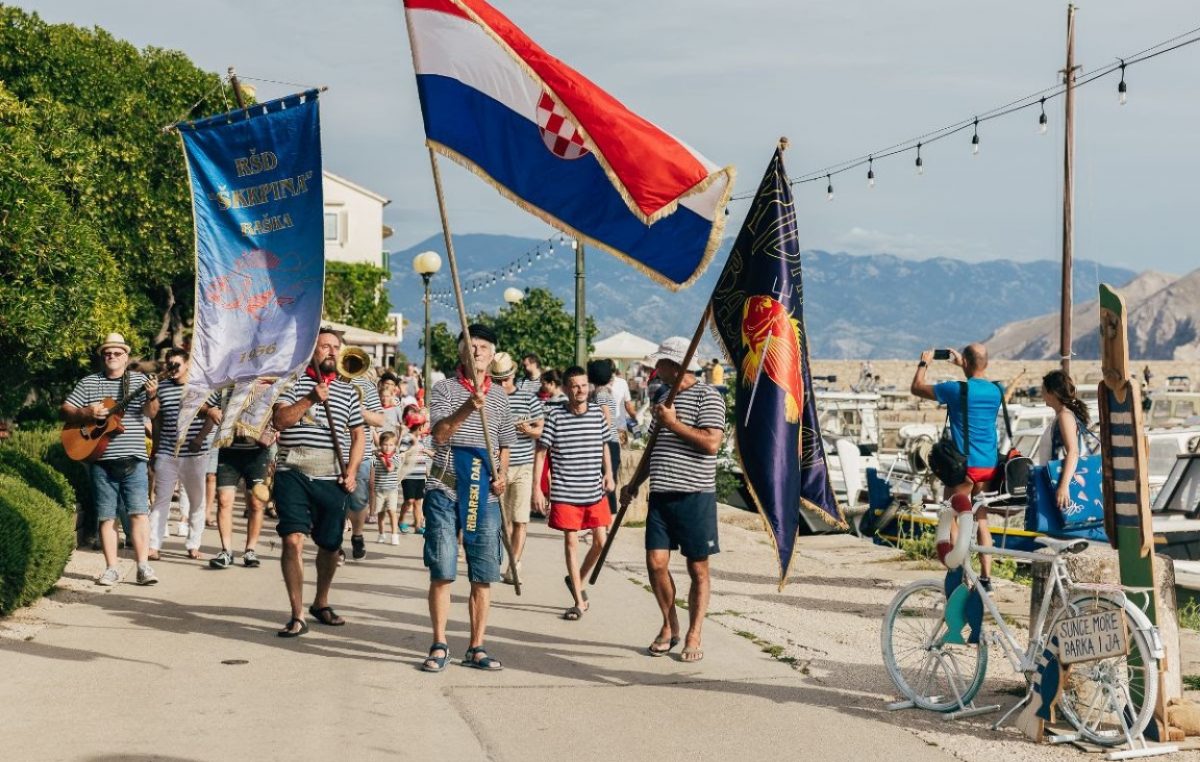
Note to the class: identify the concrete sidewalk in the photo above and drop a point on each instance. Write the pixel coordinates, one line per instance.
(191, 669)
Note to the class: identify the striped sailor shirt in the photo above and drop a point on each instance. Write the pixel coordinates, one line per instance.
(576, 442)
(447, 397)
(420, 463)
(676, 466)
(170, 396)
(312, 430)
(604, 398)
(370, 402)
(385, 480)
(525, 407)
(130, 443)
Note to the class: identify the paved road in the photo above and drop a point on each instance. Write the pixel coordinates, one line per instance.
(191, 670)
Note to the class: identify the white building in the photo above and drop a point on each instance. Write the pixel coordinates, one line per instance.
(354, 229)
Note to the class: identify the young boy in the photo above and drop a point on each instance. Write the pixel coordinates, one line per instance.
(417, 446)
(387, 467)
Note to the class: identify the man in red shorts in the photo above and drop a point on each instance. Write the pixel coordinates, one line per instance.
(983, 403)
(575, 437)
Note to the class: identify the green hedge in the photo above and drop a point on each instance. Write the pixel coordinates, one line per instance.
(44, 446)
(36, 539)
(38, 475)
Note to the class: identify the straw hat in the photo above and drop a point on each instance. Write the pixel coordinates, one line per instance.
(502, 366)
(113, 340)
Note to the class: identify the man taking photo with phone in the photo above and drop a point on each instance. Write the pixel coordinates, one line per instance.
(974, 436)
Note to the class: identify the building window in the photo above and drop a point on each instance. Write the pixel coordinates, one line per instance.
(333, 227)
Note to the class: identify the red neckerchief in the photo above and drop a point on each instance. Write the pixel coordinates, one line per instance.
(469, 385)
(387, 458)
(326, 378)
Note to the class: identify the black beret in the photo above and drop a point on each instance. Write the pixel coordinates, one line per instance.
(480, 331)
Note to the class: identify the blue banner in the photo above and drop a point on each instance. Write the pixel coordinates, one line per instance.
(758, 313)
(260, 250)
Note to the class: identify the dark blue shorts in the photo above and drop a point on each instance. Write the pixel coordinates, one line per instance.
(483, 547)
(309, 506)
(683, 521)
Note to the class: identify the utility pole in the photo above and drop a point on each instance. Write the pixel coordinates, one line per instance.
(581, 349)
(1068, 207)
(237, 88)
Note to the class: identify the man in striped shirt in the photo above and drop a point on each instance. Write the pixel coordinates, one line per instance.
(528, 419)
(119, 474)
(312, 488)
(188, 468)
(455, 500)
(683, 502)
(576, 437)
(362, 497)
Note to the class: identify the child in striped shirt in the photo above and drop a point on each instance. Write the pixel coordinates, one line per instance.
(387, 485)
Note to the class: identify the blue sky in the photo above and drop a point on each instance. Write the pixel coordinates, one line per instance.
(838, 78)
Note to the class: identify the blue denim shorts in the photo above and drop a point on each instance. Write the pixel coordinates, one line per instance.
(441, 540)
(130, 491)
(362, 485)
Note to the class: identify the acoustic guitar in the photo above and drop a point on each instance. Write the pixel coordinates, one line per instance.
(87, 442)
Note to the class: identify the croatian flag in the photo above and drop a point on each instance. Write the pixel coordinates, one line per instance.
(560, 147)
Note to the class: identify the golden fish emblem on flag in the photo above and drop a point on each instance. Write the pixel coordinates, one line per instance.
(772, 340)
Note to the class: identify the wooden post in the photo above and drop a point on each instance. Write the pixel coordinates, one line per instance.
(1068, 206)
(1123, 448)
(643, 469)
(465, 354)
(237, 88)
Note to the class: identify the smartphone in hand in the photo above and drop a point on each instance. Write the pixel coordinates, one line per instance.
(941, 354)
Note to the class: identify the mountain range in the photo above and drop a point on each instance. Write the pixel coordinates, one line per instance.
(1164, 324)
(856, 306)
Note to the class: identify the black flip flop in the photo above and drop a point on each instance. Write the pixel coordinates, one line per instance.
(573, 614)
(286, 632)
(326, 616)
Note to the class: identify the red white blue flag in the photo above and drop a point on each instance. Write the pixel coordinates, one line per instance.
(560, 147)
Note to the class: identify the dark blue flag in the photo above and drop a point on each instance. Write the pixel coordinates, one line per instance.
(757, 310)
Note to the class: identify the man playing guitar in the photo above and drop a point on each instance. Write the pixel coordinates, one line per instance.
(119, 474)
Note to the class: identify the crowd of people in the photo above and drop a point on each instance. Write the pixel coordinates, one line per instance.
(465, 462)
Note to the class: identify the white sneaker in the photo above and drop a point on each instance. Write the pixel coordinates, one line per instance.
(383, 538)
(146, 575)
(396, 539)
(110, 577)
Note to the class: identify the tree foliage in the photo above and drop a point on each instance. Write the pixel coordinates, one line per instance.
(539, 323)
(95, 210)
(355, 294)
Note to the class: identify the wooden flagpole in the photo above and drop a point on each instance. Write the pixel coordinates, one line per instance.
(465, 354)
(643, 469)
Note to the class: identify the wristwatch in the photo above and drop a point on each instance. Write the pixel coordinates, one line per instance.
(922, 364)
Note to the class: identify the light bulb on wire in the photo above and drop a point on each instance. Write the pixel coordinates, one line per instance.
(920, 164)
(1121, 87)
(975, 139)
(828, 189)
(1043, 122)
(870, 171)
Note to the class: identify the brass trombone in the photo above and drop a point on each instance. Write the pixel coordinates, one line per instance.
(353, 363)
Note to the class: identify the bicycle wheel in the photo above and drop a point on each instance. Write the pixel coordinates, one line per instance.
(1102, 698)
(929, 672)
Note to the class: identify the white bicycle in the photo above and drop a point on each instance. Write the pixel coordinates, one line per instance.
(1108, 696)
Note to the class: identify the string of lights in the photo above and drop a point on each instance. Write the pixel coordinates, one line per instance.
(1032, 100)
(543, 250)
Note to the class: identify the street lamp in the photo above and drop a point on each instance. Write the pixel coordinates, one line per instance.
(513, 295)
(426, 264)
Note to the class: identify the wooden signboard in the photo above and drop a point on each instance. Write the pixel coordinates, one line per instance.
(1093, 636)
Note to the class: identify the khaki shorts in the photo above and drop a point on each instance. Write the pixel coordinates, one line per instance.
(518, 494)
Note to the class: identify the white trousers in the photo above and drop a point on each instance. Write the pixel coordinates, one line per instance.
(169, 471)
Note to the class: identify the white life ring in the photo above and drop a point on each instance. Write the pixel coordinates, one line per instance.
(958, 514)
